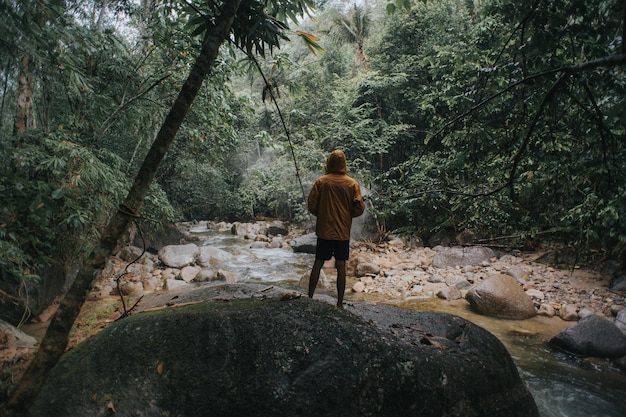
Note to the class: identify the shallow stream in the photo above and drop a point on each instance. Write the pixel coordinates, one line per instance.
(562, 386)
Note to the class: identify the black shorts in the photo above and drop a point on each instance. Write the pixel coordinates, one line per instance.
(326, 249)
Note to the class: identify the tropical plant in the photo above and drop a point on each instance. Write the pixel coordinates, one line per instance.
(524, 127)
(351, 26)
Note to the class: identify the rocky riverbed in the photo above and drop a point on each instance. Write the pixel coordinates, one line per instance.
(396, 271)
(393, 271)
(400, 270)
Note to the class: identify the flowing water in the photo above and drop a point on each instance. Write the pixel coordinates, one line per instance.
(563, 386)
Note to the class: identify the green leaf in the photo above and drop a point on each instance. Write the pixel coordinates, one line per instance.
(58, 194)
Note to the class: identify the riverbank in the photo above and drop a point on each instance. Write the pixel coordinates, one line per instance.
(392, 272)
(405, 274)
(401, 270)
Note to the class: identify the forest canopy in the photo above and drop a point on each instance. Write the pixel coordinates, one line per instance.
(499, 118)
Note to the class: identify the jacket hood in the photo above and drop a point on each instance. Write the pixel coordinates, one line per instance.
(336, 162)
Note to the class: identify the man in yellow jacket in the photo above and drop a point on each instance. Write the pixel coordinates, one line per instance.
(334, 199)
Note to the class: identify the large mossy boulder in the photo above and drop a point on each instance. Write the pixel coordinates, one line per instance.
(286, 356)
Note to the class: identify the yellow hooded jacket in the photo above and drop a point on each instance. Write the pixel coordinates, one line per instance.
(335, 199)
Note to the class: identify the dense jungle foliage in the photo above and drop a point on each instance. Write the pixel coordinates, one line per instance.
(503, 118)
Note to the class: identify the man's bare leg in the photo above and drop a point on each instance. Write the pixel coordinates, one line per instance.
(315, 276)
(341, 281)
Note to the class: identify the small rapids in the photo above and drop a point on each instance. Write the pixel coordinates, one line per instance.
(562, 385)
(258, 265)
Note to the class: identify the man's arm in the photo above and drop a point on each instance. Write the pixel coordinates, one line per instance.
(358, 206)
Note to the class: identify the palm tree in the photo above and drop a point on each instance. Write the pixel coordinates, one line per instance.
(352, 26)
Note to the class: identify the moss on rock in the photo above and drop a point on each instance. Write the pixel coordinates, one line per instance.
(295, 357)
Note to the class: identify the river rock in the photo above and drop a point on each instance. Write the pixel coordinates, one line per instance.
(239, 229)
(178, 256)
(569, 312)
(269, 357)
(206, 274)
(276, 242)
(226, 276)
(367, 268)
(259, 244)
(221, 227)
(592, 336)
(211, 256)
(130, 287)
(170, 273)
(536, 294)
(189, 273)
(618, 281)
(358, 287)
(277, 228)
(305, 243)
(174, 284)
(501, 296)
(449, 293)
(130, 253)
(585, 311)
(13, 339)
(458, 282)
(321, 283)
(546, 310)
(460, 256)
(404, 266)
(151, 283)
(520, 274)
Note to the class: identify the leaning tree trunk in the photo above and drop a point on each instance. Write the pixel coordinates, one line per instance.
(56, 338)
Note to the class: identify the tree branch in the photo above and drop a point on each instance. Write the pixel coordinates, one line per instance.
(566, 71)
(106, 125)
(518, 157)
(608, 61)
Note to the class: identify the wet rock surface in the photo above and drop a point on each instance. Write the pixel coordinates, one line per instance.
(225, 350)
(592, 336)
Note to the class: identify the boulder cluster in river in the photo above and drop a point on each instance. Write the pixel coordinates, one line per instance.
(504, 285)
(392, 269)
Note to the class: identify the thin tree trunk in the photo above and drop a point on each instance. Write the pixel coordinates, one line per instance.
(55, 340)
(4, 92)
(103, 11)
(24, 99)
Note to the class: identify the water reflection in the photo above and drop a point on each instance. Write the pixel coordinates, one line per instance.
(562, 386)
